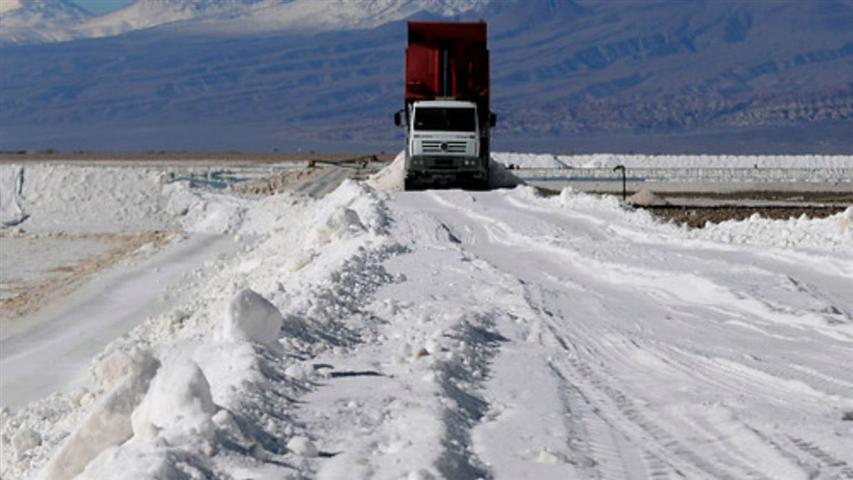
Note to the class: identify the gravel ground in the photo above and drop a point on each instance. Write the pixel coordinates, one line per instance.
(697, 217)
(840, 196)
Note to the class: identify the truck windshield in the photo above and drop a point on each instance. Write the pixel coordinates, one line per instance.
(445, 119)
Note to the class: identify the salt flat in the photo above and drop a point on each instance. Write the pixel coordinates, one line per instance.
(452, 334)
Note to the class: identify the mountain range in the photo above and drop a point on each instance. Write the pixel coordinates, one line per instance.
(40, 21)
(771, 76)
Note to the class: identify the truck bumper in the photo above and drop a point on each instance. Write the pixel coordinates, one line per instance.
(446, 172)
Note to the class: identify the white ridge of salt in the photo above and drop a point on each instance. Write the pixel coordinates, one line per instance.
(108, 424)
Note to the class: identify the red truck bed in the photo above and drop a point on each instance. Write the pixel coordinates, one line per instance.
(448, 59)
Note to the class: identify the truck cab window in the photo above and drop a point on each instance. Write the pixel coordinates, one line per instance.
(445, 119)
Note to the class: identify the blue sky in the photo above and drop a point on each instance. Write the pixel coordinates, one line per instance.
(102, 6)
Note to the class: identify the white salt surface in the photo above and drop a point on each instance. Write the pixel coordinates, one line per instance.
(27, 260)
(456, 334)
(77, 198)
(86, 199)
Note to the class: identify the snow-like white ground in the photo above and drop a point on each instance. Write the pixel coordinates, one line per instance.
(53, 198)
(453, 334)
(52, 348)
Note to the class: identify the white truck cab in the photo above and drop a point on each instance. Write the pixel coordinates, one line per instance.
(443, 129)
(443, 142)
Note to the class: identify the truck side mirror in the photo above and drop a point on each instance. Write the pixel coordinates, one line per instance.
(398, 120)
(493, 119)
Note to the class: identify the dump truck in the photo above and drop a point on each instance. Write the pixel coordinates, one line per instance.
(446, 105)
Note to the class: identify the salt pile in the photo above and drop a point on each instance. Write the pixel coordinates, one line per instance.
(647, 198)
(252, 317)
(845, 220)
(109, 422)
(803, 232)
(200, 390)
(501, 177)
(392, 177)
(178, 402)
(79, 199)
(11, 181)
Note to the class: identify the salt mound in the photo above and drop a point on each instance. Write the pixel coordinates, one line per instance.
(178, 403)
(203, 212)
(392, 178)
(647, 198)
(139, 461)
(252, 317)
(25, 440)
(109, 424)
(11, 180)
(342, 223)
(528, 160)
(66, 197)
(845, 219)
(303, 447)
(830, 232)
(502, 177)
(115, 367)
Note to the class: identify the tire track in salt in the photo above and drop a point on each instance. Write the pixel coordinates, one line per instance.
(641, 428)
(603, 452)
(732, 467)
(813, 380)
(628, 411)
(727, 454)
(590, 435)
(737, 386)
(837, 468)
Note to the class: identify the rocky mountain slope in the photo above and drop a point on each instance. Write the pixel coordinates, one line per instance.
(38, 21)
(212, 17)
(568, 76)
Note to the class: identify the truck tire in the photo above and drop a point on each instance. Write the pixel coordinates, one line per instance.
(409, 184)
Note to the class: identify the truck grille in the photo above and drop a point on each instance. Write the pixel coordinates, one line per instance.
(435, 146)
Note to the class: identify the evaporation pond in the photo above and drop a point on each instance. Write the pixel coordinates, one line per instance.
(29, 261)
